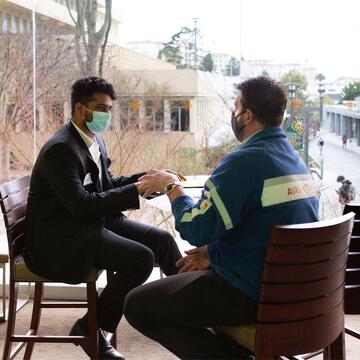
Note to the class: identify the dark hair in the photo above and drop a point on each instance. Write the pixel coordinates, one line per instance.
(265, 98)
(340, 178)
(85, 88)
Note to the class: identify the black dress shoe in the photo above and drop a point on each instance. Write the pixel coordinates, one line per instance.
(106, 350)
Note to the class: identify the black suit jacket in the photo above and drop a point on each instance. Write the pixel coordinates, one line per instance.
(65, 218)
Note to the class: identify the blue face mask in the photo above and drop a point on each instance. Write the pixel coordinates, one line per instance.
(100, 122)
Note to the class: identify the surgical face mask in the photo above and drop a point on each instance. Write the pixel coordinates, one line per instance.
(235, 127)
(100, 121)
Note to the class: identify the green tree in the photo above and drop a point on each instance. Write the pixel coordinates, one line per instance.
(207, 63)
(171, 52)
(320, 77)
(297, 78)
(265, 73)
(88, 39)
(233, 68)
(351, 91)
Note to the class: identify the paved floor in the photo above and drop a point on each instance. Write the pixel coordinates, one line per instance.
(130, 342)
(338, 161)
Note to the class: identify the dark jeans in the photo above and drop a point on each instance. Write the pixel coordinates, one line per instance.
(130, 248)
(177, 311)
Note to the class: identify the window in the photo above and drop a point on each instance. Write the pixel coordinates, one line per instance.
(15, 24)
(129, 114)
(6, 23)
(23, 25)
(154, 113)
(180, 115)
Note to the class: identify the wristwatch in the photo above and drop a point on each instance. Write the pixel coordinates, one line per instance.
(170, 187)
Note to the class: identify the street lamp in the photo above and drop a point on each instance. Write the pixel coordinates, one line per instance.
(292, 96)
(292, 91)
(195, 42)
(321, 92)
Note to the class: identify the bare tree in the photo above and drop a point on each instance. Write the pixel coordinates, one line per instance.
(16, 92)
(88, 40)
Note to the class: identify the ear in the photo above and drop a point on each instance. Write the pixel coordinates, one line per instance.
(79, 109)
(249, 117)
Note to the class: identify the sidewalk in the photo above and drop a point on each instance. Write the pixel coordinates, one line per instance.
(336, 140)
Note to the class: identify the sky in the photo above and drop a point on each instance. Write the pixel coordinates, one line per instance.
(324, 32)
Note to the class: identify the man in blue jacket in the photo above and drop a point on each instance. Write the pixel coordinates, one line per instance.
(261, 184)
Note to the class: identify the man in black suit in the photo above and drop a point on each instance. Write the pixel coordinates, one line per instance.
(74, 219)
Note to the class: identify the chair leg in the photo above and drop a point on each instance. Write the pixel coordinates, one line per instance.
(11, 318)
(35, 317)
(327, 353)
(109, 275)
(336, 350)
(3, 266)
(93, 337)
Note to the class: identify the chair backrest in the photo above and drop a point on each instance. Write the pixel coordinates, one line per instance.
(302, 290)
(13, 201)
(352, 281)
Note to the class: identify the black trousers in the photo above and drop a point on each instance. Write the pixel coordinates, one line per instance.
(177, 312)
(130, 248)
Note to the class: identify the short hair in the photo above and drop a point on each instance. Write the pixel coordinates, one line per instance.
(265, 98)
(85, 88)
(340, 178)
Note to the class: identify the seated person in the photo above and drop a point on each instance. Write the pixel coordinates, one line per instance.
(261, 184)
(74, 219)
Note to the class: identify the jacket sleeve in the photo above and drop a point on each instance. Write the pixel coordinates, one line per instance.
(118, 181)
(61, 171)
(226, 194)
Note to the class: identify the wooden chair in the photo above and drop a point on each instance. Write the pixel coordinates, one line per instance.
(301, 305)
(352, 282)
(13, 201)
(4, 259)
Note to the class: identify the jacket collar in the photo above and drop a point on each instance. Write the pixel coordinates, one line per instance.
(71, 128)
(267, 133)
(87, 140)
(80, 141)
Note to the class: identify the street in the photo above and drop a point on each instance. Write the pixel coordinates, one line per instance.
(337, 161)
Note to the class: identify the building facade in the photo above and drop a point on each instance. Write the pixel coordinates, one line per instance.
(16, 16)
(221, 63)
(343, 120)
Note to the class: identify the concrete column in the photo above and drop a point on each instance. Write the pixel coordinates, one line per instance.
(358, 132)
(194, 117)
(142, 114)
(337, 124)
(167, 116)
(332, 122)
(342, 125)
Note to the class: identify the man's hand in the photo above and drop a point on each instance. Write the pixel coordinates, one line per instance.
(155, 181)
(180, 176)
(195, 259)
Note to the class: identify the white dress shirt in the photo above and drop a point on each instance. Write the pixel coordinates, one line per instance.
(94, 149)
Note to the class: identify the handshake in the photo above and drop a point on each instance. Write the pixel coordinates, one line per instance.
(156, 181)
